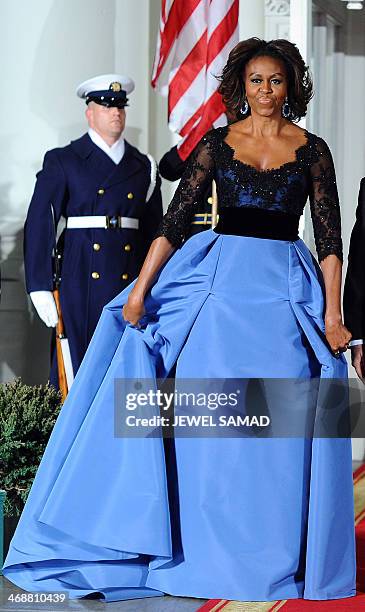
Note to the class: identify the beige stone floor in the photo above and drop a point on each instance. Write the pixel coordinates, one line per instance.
(151, 604)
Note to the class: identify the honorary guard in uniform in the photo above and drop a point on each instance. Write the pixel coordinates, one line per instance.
(171, 167)
(109, 193)
(354, 291)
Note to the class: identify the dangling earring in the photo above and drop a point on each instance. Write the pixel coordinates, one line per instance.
(286, 110)
(244, 107)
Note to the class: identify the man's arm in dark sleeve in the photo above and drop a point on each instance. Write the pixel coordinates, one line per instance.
(354, 291)
(171, 166)
(50, 190)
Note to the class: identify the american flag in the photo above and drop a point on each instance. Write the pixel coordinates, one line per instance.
(193, 44)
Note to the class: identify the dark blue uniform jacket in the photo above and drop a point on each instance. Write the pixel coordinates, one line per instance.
(80, 179)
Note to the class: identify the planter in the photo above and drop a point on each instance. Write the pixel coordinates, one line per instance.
(27, 417)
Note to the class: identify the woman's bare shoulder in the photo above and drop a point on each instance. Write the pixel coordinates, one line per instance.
(238, 127)
(295, 134)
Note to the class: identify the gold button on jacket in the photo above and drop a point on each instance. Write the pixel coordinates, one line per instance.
(210, 200)
(101, 191)
(130, 196)
(127, 247)
(125, 276)
(96, 246)
(95, 275)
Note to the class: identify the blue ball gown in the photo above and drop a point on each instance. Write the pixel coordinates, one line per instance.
(216, 517)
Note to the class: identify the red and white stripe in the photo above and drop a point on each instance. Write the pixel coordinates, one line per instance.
(194, 41)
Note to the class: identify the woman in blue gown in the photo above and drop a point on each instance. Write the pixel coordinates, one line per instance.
(243, 518)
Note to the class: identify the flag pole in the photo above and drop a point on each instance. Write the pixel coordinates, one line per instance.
(214, 204)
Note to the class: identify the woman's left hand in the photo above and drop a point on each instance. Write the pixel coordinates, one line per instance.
(337, 335)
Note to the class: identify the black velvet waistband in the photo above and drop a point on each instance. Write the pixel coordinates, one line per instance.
(257, 222)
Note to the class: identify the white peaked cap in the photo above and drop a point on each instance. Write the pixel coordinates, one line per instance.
(105, 82)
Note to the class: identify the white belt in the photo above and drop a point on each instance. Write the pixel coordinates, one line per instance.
(106, 222)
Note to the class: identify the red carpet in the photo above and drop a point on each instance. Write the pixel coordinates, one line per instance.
(350, 604)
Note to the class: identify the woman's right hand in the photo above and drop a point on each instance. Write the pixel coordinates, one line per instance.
(133, 310)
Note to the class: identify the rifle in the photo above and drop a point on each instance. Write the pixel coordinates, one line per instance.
(64, 363)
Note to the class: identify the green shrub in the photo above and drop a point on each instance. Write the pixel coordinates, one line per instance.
(27, 417)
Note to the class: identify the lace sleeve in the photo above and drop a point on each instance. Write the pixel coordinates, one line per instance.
(198, 173)
(324, 203)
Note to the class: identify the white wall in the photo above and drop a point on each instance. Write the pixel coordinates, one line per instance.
(46, 50)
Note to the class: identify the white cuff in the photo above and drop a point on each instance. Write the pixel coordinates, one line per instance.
(356, 342)
(153, 177)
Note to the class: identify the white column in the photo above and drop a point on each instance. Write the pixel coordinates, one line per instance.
(301, 26)
(277, 19)
(251, 19)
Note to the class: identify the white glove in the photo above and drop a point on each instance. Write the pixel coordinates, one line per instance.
(43, 302)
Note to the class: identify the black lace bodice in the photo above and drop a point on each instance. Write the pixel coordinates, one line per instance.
(285, 189)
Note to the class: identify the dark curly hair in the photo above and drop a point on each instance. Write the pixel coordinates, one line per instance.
(232, 88)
